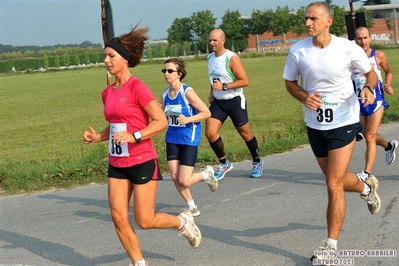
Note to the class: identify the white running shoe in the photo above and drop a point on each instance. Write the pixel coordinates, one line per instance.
(390, 155)
(190, 230)
(324, 255)
(362, 176)
(212, 182)
(372, 199)
(195, 211)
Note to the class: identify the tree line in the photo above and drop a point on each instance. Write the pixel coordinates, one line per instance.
(189, 35)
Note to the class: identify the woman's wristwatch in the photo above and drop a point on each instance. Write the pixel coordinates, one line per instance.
(137, 136)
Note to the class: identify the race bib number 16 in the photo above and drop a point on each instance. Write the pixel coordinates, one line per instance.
(114, 148)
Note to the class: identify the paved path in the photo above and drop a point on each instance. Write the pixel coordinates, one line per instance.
(278, 219)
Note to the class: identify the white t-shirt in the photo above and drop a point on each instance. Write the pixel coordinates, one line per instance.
(328, 71)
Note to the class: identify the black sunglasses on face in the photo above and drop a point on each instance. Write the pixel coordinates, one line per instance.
(170, 71)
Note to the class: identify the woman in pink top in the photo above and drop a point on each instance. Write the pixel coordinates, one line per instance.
(133, 166)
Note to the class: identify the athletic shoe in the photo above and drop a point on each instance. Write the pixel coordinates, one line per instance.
(372, 199)
(212, 182)
(390, 155)
(194, 211)
(324, 255)
(137, 264)
(362, 176)
(190, 230)
(257, 168)
(223, 169)
(359, 136)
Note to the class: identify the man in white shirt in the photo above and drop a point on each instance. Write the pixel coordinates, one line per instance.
(324, 63)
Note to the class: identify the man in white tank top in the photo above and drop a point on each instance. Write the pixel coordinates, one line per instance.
(324, 64)
(371, 115)
(227, 77)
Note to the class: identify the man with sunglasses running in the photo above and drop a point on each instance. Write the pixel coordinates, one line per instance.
(228, 77)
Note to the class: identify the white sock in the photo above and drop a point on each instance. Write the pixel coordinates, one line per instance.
(206, 175)
(140, 262)
(182, 223)
(191, 204)
(366, 190)
(333, 242)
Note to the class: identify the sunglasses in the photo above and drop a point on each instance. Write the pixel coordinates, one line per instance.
(170, 71)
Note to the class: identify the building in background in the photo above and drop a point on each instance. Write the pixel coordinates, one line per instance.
(379, 32)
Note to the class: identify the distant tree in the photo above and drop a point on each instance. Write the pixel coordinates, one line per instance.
(195, 49)
(389, 24)
(86, 44)
(298, 22)
(368, 15)
(76, 59)
(281, 22)
(45, 61)
(233, 27)
(260, 23)
(29, 53)
(180, 32)
(57, 63)
(67, 59)
(60, 51)
(203, 24)
(338, 26)
(94, 56)
(14, 55)
(329, 2)
(160, 51)
(87, 57)
(376, 2)
(41, 52)
(172, 50)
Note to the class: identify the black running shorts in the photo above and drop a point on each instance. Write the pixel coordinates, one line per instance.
(221, 109)
(137, 174)
(323, 141)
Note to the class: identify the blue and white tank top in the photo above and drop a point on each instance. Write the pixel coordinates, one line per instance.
(359, 80)
(188, 134)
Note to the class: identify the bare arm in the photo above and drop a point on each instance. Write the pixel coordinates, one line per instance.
(210, 97)
(383, 63)
(239, 72)
(311, 101)
(91, 135)
(197, 103)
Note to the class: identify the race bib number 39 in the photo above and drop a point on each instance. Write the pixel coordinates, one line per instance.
(114, 148)
(329, 113)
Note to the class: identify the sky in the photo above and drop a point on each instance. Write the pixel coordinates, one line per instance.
(52, 22)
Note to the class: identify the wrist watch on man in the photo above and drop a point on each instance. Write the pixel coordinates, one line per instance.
(137, 136)
(369, 87)
(225, 88)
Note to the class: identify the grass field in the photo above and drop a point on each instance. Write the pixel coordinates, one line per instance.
(43, 117)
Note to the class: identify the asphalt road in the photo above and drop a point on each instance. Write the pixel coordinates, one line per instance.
(277, 219)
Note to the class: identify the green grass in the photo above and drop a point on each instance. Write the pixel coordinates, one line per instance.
(44, 115)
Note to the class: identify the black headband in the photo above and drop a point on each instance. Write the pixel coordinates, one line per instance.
(119, 48)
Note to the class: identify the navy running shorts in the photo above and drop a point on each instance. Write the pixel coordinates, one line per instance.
(187, 155)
